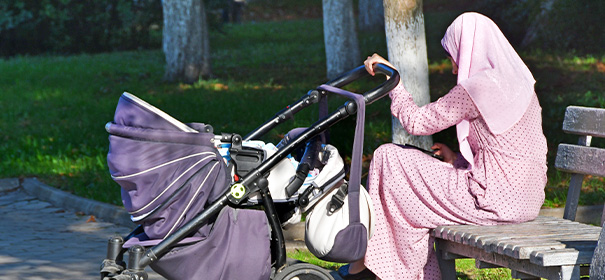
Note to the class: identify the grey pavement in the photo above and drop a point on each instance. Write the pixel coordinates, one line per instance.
(41, 241)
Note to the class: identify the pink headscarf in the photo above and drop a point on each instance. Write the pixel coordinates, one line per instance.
(491, 71)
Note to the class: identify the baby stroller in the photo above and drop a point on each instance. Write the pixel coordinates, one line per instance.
(213, 206)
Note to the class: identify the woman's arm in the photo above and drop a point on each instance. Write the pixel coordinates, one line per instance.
(447, 111)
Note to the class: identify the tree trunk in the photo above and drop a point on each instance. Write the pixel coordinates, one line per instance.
(185, 40)
(538, 24)
(406, 43)
(371, 15)
(340, 37)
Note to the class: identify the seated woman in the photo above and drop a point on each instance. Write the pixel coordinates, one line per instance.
(498, 177)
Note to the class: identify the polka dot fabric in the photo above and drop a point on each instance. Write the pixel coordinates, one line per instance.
(414, 193)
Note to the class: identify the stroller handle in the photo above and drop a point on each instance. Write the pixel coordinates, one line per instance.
(360, 72)
(313, 96)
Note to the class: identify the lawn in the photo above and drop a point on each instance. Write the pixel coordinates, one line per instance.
(53, 109)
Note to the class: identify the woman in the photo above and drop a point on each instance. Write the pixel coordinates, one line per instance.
(498, 177)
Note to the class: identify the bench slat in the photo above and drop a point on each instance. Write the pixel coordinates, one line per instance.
(524, 266)
(561, 257)
(559, 241)
(541, 225)
(584, 121)
(581, 159)
(478, 238)
(458, 232)
(525, 251)
(493, 245)
(518, 247)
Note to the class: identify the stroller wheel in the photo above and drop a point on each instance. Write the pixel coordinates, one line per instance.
(303, 271)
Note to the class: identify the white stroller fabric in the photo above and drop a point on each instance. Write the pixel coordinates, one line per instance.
(321, 226)
(321, 181)
(280, 174)
(283, 172)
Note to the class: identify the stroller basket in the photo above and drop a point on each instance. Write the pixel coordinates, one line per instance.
(185, 188)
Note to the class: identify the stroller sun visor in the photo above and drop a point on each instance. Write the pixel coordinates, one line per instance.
(167, 170)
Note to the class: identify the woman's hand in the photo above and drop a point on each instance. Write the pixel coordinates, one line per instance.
(442, 150)
(375, 58)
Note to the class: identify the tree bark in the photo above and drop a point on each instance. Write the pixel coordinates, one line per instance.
(538, 24)
(371, 15)
(185, 40)
(340, 37)
(406, 43)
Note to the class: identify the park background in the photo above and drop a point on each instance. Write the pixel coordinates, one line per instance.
(64, 64)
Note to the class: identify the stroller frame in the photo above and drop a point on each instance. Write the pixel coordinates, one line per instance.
(140, 257)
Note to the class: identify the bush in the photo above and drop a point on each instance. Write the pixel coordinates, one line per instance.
(513, 17)
(73, 26)
(569, 25)
(575, 24)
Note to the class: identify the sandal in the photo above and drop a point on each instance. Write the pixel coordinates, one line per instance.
(343, 272)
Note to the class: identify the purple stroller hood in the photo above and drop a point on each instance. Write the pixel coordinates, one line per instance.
(168, 170)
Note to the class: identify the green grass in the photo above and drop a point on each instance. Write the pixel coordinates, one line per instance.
(54, 108)
(306, 256)
(465, 268)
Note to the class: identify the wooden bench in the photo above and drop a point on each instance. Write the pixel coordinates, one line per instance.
(547, 247)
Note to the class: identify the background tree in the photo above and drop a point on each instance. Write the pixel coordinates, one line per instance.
(406, 43)
(550, 25)
(69, 27)
(185, 40)
(340, 37)
(371, 15)
(538, 24)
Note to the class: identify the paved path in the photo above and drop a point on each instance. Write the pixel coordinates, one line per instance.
(42, 241)
(39, 241)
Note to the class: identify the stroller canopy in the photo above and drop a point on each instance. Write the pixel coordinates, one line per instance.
(168, 170)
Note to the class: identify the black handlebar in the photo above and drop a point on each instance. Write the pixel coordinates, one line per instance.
(313, 96)
(360, 72)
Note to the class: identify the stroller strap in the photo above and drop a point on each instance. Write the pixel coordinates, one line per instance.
(355, 174)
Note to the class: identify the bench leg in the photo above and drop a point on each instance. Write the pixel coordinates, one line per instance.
(447, 264)
(520, 275)
(571, 272)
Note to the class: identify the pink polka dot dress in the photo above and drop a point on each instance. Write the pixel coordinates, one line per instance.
(414, 193)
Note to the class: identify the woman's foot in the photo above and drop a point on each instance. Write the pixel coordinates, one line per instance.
(343, 271)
